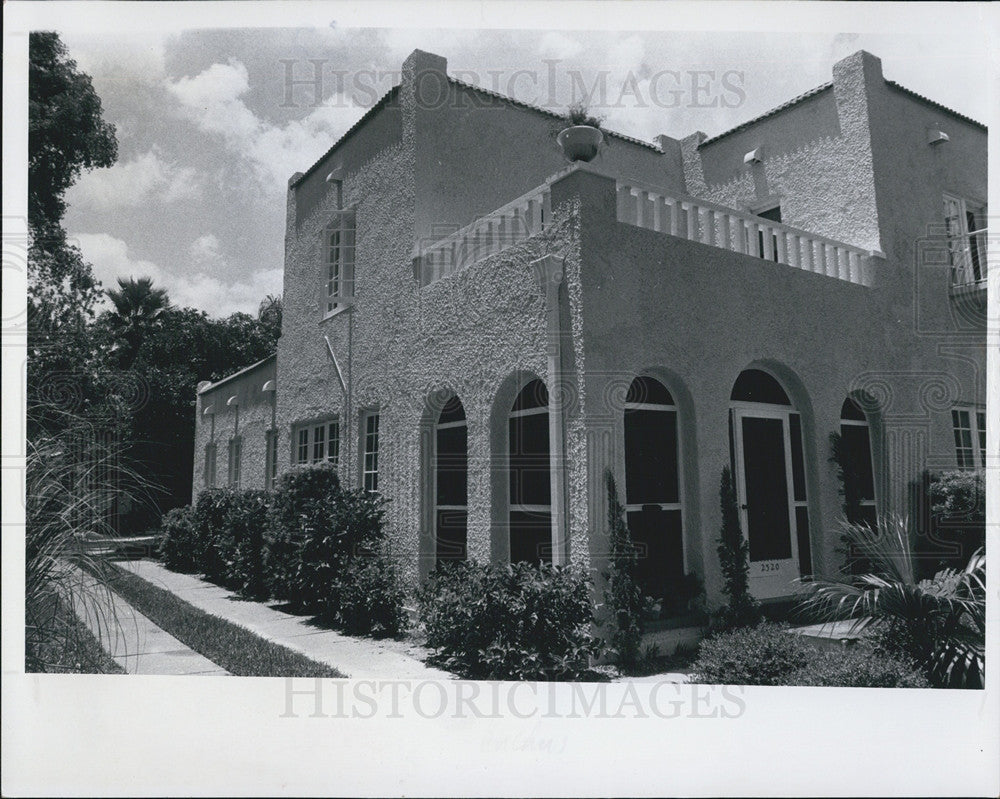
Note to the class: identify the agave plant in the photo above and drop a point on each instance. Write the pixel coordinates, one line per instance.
(942, 620)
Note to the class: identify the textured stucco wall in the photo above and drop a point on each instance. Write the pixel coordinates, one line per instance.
(631, 301)
(255, 413)
(476, 153)
(696, 316)
(818, 168)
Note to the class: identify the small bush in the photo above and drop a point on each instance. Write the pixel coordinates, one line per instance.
(180, 546)
(858, 666)
(761, 655)
(370, 598)
(510, 622)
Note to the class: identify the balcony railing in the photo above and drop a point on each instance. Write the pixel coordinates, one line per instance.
(968, 259)
(718, 226)
(652, 208)
(503, 228)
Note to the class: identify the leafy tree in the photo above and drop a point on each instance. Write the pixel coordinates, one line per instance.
(66, 133)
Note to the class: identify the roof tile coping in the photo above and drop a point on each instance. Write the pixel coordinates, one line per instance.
(234, 375)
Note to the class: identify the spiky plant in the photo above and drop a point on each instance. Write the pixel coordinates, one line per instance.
(939, 622)
(70, 480)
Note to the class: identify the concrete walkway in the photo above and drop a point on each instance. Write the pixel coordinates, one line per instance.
(354, 657)
(135, 643)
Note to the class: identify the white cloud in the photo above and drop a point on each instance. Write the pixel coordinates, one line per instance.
(108, 57)
(213, 100)
(143, 179)
(207, 252)
(558, 45)
(111, 259)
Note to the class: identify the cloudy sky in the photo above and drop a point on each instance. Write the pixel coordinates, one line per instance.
(208, 135)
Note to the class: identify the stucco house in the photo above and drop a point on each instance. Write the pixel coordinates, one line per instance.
(479, 329)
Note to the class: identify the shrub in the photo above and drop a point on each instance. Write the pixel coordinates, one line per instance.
(858, 666)
(370, 598)
(734, 559)
(240, 542)
(179, 547)
(761, 655)
(958, 524)
(622, 594)
(515, 622)
(300, 509)
(211, 510)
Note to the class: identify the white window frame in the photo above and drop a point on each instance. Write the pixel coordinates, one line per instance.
(969, 419)
(962, 240)
(370, 424)
(313, 442)
(337, 248)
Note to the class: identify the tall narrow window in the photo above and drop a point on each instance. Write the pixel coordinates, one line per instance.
(451, 478)
(965, 224)
(235, 457)
(271, 460)
(338, 262)
(652, 487)
(210, 477)
(530, 489)
(856, 464)
(370, 464)
(969, 427)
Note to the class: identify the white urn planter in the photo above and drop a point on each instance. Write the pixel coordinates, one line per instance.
(580, 142)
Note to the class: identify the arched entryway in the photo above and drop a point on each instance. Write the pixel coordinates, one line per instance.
(769, 472)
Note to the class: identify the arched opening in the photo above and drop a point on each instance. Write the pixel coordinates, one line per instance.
(770, 476)
(855, 461)
(451, 465)
(530, 491)
(652, 488)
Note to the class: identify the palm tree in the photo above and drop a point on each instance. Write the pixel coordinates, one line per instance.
(940, 622)
(138, 308)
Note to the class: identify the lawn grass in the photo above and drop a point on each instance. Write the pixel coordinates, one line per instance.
(68, 646)
(228, 645)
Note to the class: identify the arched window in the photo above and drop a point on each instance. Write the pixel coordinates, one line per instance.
(770, 478)
(855, 458)
(450, 482)
(530, 489)
(652, 487)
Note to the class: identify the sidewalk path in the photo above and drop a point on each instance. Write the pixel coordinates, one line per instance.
(354, 657)
(135, 643)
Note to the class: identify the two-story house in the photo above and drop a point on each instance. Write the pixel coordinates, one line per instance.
(479, 329)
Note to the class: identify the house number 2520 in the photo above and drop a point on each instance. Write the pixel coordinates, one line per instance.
(770, 567)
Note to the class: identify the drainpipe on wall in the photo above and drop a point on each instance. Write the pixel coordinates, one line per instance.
(549, 271)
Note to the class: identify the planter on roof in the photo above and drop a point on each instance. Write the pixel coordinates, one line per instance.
(580, 142)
